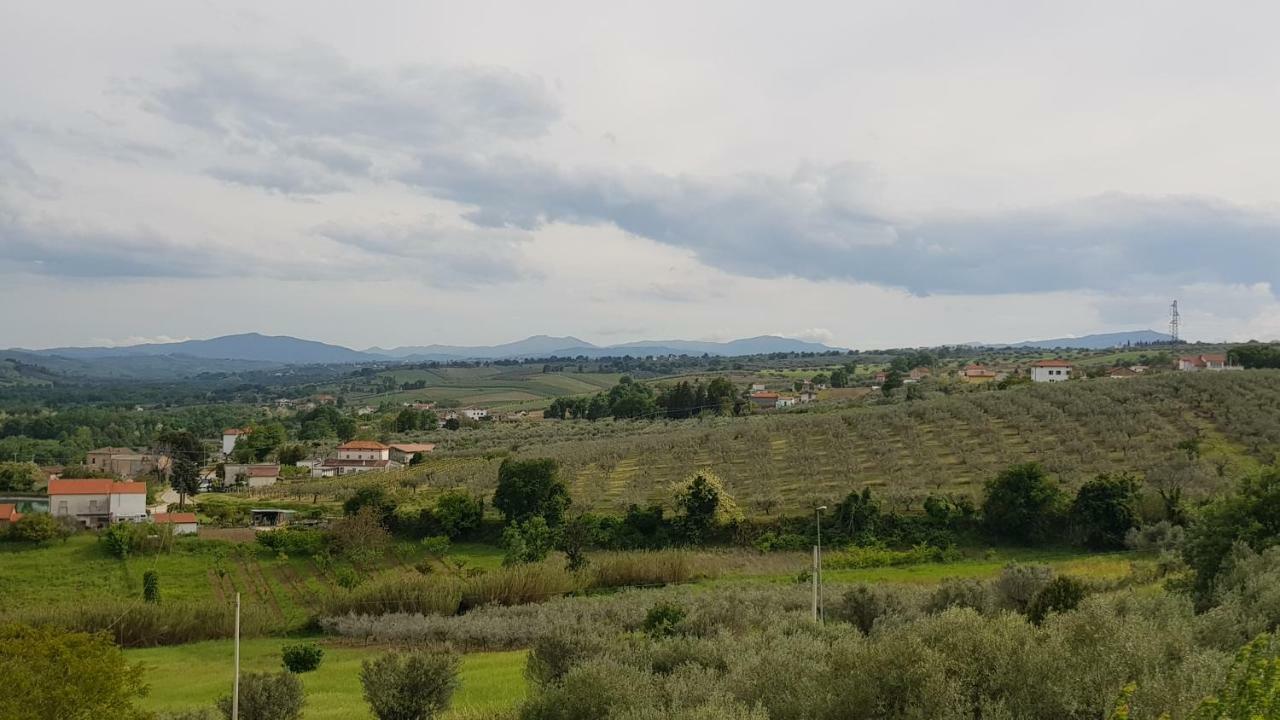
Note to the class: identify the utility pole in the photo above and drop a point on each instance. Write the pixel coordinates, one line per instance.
(818, 611)
(235, 688)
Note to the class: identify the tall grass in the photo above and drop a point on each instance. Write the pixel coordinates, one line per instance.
(399, 593)
(138, 624)
(644, 569)
(518, 585)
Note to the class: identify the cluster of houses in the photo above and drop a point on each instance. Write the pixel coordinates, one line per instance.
(763, 399)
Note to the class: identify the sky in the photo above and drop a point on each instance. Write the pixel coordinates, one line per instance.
(865, 174)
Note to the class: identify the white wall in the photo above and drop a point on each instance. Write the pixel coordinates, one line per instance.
(1050, 374)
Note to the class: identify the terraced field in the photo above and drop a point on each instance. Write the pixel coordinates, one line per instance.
(944, 444)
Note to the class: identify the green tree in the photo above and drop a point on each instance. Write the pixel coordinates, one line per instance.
(1104, 510)
(892, 381)
(1062, 594)
(20, 477)
(151, 586)
(267, 696)
(527, 542)
(374, 497)
(630, 399)
(345, 428)
(1021, 504)
(1252, 687)
(531, 488)
(187, 454)
(292, 454)
(1250, 515)
(839, 378)
(50, 674)
(576, 535)
(458, 514)
(412, 686)
(699, 501)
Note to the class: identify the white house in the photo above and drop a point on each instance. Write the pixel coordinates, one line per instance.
(230, 437)
(1211, 361)
(182, 523)
(356, 456)
(785, 401)
(255, 475)
(1050, 371)
(99, 502)
(475, 413)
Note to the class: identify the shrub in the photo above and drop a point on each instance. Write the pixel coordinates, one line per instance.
(361, 537)
(347, 577)
(863, 605)
(1061, 594)
(151, 586)
(267, 696)
(412, 686)
(403, 592)
(959, 593)
(663, 619)
(552, 654)
(1159, 538)
(301, 657)
(37, 527)
(1018, 585)
(293, 541)
(1021, 504)
(857, 557)
(375, 498)
(1252, 687)
(51, 673)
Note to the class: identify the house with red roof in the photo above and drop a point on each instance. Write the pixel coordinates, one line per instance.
(183, 523)
(253, 475)
(9, 515)
(1056, 370)
(404, 452)
(357, 456)
(1205, 361)
(96, 503)
(766, 400)
(230, 437)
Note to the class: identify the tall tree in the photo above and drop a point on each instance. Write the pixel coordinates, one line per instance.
(531, 488)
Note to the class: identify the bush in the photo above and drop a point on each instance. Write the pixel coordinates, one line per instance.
(864, 605)
(857, 557)
(413, 686)
(1018, 585)
(151, 586)
(293, 541)
(301, 657)
(1022, 505)
(1162, 537)
(552, 654)
(1062, 594)
(361, 537)
(458, 514)
(267, 696)
(663, 619)
(959, 593)
(37, 527)
(373, 497)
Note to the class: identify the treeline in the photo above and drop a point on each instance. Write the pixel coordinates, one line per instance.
(1255, 356)
(631, 400)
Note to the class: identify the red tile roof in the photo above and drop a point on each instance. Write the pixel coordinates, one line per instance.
(9, 512)
(262, 470)
(68, 486)
(1051, 363)
(765, 395)
(235, 431)
(413, 447)
(174, 517)
(362, 445)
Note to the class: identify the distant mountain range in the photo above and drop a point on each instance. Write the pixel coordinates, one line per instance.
(260, 351)
(1099, 341)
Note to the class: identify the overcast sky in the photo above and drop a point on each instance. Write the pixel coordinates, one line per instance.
(864, 174)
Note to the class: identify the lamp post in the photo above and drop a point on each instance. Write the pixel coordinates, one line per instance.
(818, 614)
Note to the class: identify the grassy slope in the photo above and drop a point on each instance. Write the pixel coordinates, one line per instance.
(193, 675)
(491, 387)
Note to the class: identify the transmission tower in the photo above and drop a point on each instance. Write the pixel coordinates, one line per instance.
(1174, 321)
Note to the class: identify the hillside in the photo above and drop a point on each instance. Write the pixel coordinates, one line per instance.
(1098, 341)
(246, 346)
(944, 444)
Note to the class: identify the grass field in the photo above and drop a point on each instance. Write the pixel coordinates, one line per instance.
(495, 387)
(194, 675)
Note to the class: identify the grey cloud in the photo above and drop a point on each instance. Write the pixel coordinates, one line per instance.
(286, 179)
(303, 99)
(445, 256)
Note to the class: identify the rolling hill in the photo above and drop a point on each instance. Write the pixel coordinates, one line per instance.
(1099, 341)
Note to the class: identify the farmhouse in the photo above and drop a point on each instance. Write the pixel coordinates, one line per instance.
(1211, 361)
(230, 437)
(9, 515)
(764, 400)
(182, 523)
(253, 475)
(785, 401)
(126, 462)
(356, 456)
(98, 503)
(1050, 371)
(404, 452)
(977, 374)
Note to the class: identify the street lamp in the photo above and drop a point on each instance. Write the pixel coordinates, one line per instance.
(818, 613)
